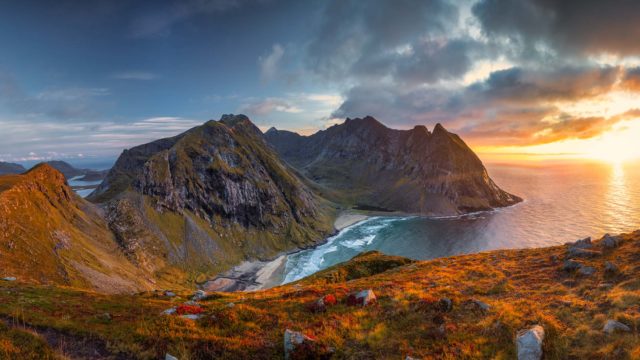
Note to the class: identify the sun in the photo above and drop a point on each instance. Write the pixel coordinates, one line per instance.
(620, 144)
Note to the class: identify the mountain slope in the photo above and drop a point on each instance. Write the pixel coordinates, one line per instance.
(7, 168)
(374, 166)
(462, 307)
(208, 199)
(49, 235)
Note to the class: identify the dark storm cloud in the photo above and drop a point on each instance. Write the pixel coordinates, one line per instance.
(509, 107)
(576, 27)
(406, 40)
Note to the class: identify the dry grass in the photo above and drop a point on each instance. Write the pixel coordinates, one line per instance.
(523, 287)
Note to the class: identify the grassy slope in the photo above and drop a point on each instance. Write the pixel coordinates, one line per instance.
(523, 287)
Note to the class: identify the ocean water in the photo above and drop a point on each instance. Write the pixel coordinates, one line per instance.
(563, 202)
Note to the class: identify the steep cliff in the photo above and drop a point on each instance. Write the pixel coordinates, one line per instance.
(209, 198)
(365, 163)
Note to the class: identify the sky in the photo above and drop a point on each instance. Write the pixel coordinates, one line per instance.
(87, 79)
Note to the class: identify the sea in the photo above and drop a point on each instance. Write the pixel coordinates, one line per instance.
(563, 201)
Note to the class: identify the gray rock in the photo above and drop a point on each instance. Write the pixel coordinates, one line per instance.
(571, 265)
(581, 244)
(170, 311)
(613, 326)
(191, 303)
(582, 253)
(169, 293)
(363, 297)
(293, 339)
(529, 343)
(445, 304)
(168, 356)
(611, 242)
(199, 295)
(587, 270)
(231, 305)
(481, 305)
(611, 268)
(9, 278)
(191, 316)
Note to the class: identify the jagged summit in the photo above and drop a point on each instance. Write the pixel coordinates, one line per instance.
(409, 170)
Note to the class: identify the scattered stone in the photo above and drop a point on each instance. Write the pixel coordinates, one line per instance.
(168, 356)
(169, 293)
(294, 340)
(587, 270)
(611, 242)
(581, 244)
(191, 316)
(605, 285)
(410, 358)
(613, 326)
(611, 268)
(529, 343)
(321, 304)
(445, 304)
(199, 295)
(106, 317)
(191, 303)
(571, 265)
(574, 252)
(170, 311)
(231, 305)
(481, 305)
(9, 278)
(362, 298)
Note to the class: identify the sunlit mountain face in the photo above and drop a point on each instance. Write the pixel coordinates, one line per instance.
(517, 79)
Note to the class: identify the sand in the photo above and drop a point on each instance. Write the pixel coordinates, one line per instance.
(347, 218)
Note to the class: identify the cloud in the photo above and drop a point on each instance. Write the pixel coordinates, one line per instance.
(68, 103)
(135, 75)
(565, 27)
(159, 21)
(267, 106)
(269, 63)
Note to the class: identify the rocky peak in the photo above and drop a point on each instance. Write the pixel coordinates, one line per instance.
(239, 121)
(46, 174)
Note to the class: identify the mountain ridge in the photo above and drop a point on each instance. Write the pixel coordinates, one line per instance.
(417, 171)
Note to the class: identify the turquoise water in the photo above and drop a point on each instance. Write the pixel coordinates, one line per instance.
(563, 202)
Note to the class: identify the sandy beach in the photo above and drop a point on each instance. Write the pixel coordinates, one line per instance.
(258, 275)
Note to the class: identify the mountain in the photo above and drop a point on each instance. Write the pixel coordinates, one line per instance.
(11, 168)
(581, 299)
(69, 171)
(364, 163)
(49, 235)
(209, 198)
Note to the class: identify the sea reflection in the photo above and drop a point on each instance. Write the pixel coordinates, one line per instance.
(563, 202)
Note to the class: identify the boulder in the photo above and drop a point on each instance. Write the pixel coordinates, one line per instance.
(294, 340)
(170, 311)
(586, 270)
(362, 298)
(168, 356)
(581, 244)
(576, 252)
(571, 265)
(613, 326)
(611, 268)
(191, 316)
(611, 242)
(9, 278)
(529, 343)
(199, 295)
(481, 305)
(169, 293)
(445, 304)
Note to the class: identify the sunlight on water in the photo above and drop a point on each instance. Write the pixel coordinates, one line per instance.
(563, 202)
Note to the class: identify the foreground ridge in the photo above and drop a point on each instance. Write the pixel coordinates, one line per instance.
(578, 300)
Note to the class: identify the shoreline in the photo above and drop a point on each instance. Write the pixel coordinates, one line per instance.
(260, 275)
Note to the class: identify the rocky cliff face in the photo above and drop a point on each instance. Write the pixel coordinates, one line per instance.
(209, 198)
(434, 173)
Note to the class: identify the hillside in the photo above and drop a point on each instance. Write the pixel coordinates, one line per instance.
(69, 171)
(584, 296)
(208, 199)
(7, 168)
(49, 235)
(364, 163)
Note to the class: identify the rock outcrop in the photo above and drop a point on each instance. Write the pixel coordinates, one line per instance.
(529, 343)
(365, 163)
